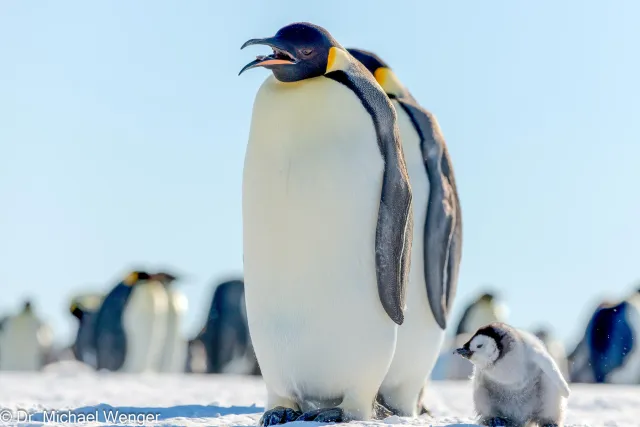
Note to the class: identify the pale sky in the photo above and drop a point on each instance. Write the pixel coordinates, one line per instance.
(123, 127)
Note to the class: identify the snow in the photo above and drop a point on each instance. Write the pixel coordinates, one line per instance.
(229, 400)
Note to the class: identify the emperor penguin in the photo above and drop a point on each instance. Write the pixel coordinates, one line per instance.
(437, 244)
(173, 358)
(25, 341)
(84, 308)
(327, 229)
(484, 310)
(555, 348)
(225, 335)
(611, 343)
(131, 324)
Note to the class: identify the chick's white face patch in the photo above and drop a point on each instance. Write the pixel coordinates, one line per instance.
(485, 351)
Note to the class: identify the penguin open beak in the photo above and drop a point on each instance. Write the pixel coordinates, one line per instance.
(464, 352)
(282, 54)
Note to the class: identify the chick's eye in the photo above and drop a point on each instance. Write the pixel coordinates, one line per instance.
(480, 345)
(307, 52)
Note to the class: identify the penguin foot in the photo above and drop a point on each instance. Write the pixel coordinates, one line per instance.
(422, 410)
(380, 412)
(547, 423)
(496, 422)
(278, 415)
(324, 415)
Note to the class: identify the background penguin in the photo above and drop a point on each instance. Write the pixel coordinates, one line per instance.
(25, 341)
(613, 353)
(437, 244)
(556, 350)
(174, 353)
(85, 308)
(225, 335)
(484, 310)
(126, 331)
(326, 217)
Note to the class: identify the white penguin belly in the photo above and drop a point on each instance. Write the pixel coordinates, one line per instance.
(20, 348)
(144, 321)
(420, 337)
(174, 353)
(311, 193)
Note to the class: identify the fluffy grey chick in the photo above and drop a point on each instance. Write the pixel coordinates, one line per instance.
(515, 382)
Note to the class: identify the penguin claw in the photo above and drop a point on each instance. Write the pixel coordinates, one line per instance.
(278, 415)
(324, 415)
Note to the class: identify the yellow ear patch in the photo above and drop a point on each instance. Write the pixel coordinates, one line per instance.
(131, 279)
(73, 307)
(389, 82)
(338, 60)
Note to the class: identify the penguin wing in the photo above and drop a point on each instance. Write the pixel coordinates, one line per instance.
(443, 227)
(394, 231)
(541, 357)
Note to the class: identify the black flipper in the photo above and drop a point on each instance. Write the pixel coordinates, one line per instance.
(395, 220)
(443, 227)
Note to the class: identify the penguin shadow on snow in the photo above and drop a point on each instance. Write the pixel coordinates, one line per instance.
(127, 415)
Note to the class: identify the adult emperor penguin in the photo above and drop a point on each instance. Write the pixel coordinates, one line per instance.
(327, 229)
(173, 357)
(130, 326)
(484, 310)
(225, 335)
(85, 308)
(437, 244)
(25, 341)
(610, 344)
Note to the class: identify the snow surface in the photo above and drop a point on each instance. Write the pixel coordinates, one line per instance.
(228, 400)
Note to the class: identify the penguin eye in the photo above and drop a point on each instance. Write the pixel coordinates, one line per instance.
(480, 345)
(306, 52)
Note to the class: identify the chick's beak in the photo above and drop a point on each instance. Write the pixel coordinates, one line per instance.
(464, 352)
(282, 54)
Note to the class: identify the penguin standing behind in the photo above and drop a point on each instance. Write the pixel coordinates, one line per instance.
(173, 357)
(131, 324)
(516, 382)
(25, 341)
(484, 310)
(555, 348)
(327, 229)
(225, 335)
(85, 308)
(436, 248)
(611, 344)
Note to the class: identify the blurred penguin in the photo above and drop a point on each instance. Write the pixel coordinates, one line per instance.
(609, 351)
(85, 308)
(555, 348)
(484, 310)
(25, 341)
(225, 336)
(174, 354)
(131, 325)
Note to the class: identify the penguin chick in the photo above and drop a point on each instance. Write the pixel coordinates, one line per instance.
(516, 382)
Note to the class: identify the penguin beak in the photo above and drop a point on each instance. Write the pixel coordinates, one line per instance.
(464, 352)
(282, 54)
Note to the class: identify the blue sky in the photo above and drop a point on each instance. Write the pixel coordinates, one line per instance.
(123, 127)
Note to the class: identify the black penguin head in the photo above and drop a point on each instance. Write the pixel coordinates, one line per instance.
(27, 306)
(300, 51)
(76, 311)
(383, 74)
(165, 278)
(136, 277)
